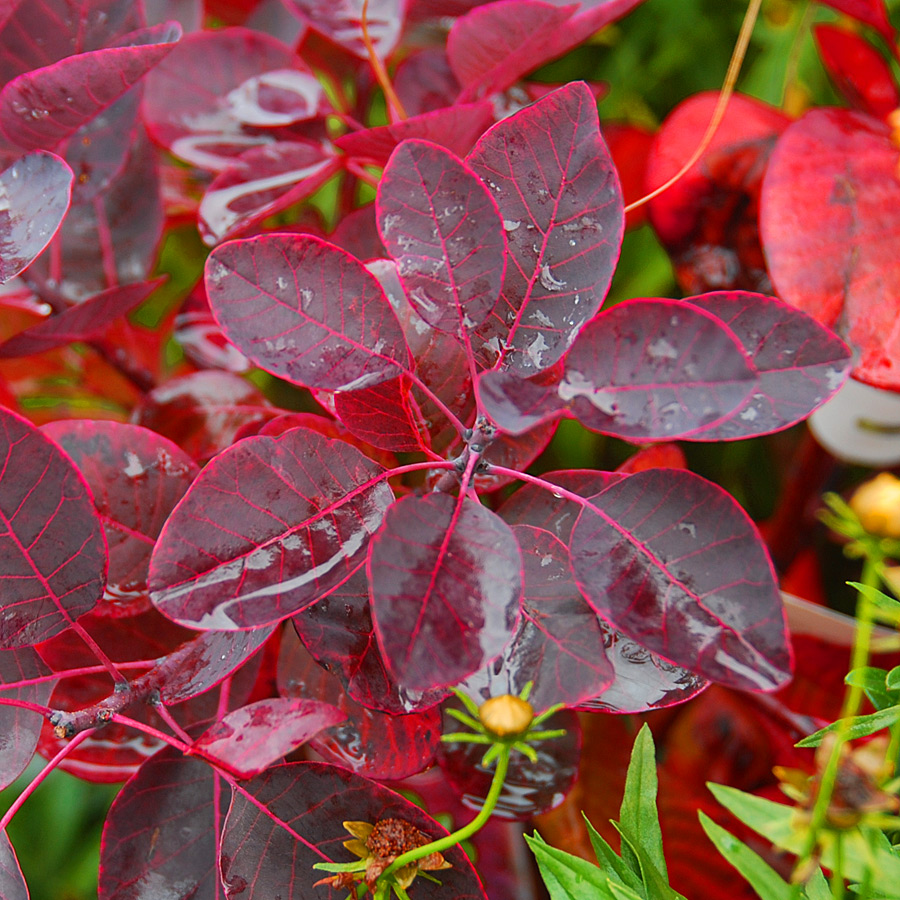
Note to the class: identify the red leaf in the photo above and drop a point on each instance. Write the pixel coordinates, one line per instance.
(441, 609)
(248, 740)
(51, 541)
(305, 310)
(829, 232)
(42, 107)
(444, 230)
(268, 527)
(871, 12)
(554, 181)
(673, 562)
(340, 21)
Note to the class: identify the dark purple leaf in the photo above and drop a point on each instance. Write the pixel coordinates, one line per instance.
(559, 642)
(339, 633)
(161, 831)
(305, 310)
(530, 788)
(456, 128)
(261, 182)
(42, 107)
(641, 370)
(425, 82)
(642, 681)
(443, 229)
(12, 883)
(799, 362)
(204, 411)
(20, 727)
(369, 742)
(268, 527)
(340, 21)
(136, 477)
(552, 176)
(247, 741)
(673, 562)
(446, 582)
(262, 859)
(51, 542)
(36, 191)
(201, 338)
(81, 322)
(357, 233)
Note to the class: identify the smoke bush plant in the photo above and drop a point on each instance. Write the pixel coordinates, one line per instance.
(153, 597)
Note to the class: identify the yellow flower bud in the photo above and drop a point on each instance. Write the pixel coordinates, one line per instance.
(506, 715)
(877, 504)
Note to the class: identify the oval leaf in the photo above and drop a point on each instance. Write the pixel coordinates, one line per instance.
(12, 882)
(51, 540)
(305, 310)
(443, 228)
(269, 526)
(446, 581)
(673, 562)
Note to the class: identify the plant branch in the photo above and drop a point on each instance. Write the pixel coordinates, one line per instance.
(378, 67)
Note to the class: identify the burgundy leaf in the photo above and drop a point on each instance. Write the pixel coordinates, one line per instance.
(12, 882)
(641, 370)
(708, 220)
(262, 858)
(446, 582)
(20, 727)
(444, 230)
(204, 411)
(247, 741)
(339, 633)
(340, 21)
(554, 181)
(385, 416)
(456, 128)
(514, 452)
(559, 642)
(357, 233)
(673, 562)
(136, 477)
(81, 322)
(858, 70)
(871, 12)
(201, 338)
(829, 231)
(161, 831)
(277, 98)
(261, 182)
(369, 742)
(42, 107)
(799, 363)
(51, 541)
(425, 82)
(269, 526)
(305, 310)
(36, 190)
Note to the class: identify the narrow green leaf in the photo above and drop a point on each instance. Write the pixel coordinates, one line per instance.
(610, 861)
(817, 887)
(568, 877)
(872, 680)
(621, 892)
(767, 883)
(878, 598)
(766, 817)
(638, 814)
(860, 726)
(892, 679)
(656, 885)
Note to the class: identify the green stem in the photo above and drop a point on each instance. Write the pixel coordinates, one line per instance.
(464, 833)
(837, 877)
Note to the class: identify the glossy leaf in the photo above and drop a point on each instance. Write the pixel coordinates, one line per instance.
(262, 858)
(305, 310)
(162, 830)
(51, 541)
(828, 231)
(292, 518)
(446, 583)
(280, 97)
(12, 883)
(673, 562)
(247, 741)
(799, 363)
(20, 727)
(559, 642)
(42, 107)
(386, 416)
(641, 370)
(36, 190)
(558, 193)
(79, 323)
(442, 227)
(339, 20)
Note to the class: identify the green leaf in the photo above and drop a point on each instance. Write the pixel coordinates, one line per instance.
(656, 884)
(638, 814)
(872, 680)
(817, 887)
(610, 861)
(859, 726)
(569, 877)
(878, 599)
(766, 817)
(761, 876)
(621, 892)
(892, 679)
